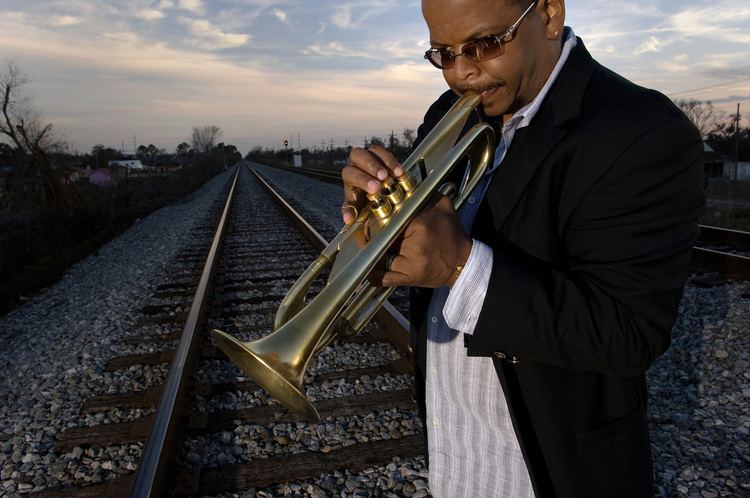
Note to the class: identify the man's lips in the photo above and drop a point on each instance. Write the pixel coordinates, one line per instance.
(487, 94)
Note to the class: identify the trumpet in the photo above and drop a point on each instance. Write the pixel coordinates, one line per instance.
(277, 362)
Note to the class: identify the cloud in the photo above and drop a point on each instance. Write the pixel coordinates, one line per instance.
(342, 17)
(111, 76)
(281, 15)
(343, 14)
(195, 6)
(732, 99)
(63, 21)
(149, 14)
(332, 49)
(724, 21)
(211, 37)
(652, 44)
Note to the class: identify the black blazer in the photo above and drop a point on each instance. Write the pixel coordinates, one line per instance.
(592, 216)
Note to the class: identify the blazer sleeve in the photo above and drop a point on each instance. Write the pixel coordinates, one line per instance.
(627, 249)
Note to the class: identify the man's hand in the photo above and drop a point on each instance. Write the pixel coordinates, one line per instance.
(432, 247)
(367, 168)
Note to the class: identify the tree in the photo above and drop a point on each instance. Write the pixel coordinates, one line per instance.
(231, 154)
(377, 141)
(34, 139)
(726, 137)
(101, 156)
(21, 123)
(704, 115)
(408, 138)
(183, 149)
(205, 138)
(7, 153)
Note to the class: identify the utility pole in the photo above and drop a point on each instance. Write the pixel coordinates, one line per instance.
(736, 143)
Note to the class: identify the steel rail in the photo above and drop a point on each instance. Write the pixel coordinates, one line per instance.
(320, 174)
(149, 477)
(393, 323)
(732, 266)
(736, 239)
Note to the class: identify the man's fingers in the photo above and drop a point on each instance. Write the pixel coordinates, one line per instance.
(395, 279)
(356, 178)
(369, 163)
(388, 160)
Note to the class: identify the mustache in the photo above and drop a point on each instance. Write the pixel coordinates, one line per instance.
(461, 89)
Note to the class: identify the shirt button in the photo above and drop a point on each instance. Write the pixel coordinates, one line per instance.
(434, 319)
(435, 421)
(499, 355)
(471, 200)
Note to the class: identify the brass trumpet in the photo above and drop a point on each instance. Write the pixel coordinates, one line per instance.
(278, 361)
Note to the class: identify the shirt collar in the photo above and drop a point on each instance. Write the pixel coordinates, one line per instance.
(523, 116)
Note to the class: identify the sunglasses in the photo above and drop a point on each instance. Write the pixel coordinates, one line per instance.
(482, 49)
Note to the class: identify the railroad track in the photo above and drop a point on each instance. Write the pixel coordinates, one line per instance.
(362, 386)
(230, 437)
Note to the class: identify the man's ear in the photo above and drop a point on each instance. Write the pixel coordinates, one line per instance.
(554, 17)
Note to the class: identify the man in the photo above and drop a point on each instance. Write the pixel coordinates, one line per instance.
(557, 284)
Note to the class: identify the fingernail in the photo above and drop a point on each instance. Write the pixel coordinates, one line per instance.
(373, 186)
(398, 171)
(382, 174)
(348, 218)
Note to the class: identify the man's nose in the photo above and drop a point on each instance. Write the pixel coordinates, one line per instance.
(465, 68)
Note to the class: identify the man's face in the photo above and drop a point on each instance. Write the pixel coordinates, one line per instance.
(513, 79)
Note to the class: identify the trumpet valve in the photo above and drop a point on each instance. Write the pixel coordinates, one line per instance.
(406, 182)
(394, 193)
(381, 207)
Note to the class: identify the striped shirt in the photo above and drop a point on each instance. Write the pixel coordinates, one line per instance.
(473, 449)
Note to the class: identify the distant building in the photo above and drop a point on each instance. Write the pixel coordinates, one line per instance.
(130, 164)
(719, 166)
(743, 170)
(713, 164)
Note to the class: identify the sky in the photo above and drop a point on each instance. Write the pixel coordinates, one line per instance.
(105, 71)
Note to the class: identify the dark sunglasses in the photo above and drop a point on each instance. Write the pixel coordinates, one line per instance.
(480, 50)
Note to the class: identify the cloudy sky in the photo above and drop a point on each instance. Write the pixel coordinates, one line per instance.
(104, 70)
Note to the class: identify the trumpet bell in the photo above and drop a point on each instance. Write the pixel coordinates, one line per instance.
(269, 370)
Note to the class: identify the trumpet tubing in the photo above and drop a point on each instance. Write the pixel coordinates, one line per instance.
(278, 361)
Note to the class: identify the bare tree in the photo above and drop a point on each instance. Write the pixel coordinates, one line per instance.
(408, 137)
(20, 122)
(704, 115)
(23, 126)
(205, 137)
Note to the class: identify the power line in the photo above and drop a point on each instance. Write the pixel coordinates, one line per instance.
(710, 87)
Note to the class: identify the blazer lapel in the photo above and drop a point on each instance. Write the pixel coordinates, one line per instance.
(533, 143)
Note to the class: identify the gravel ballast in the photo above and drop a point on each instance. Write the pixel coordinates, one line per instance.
(54, 348)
